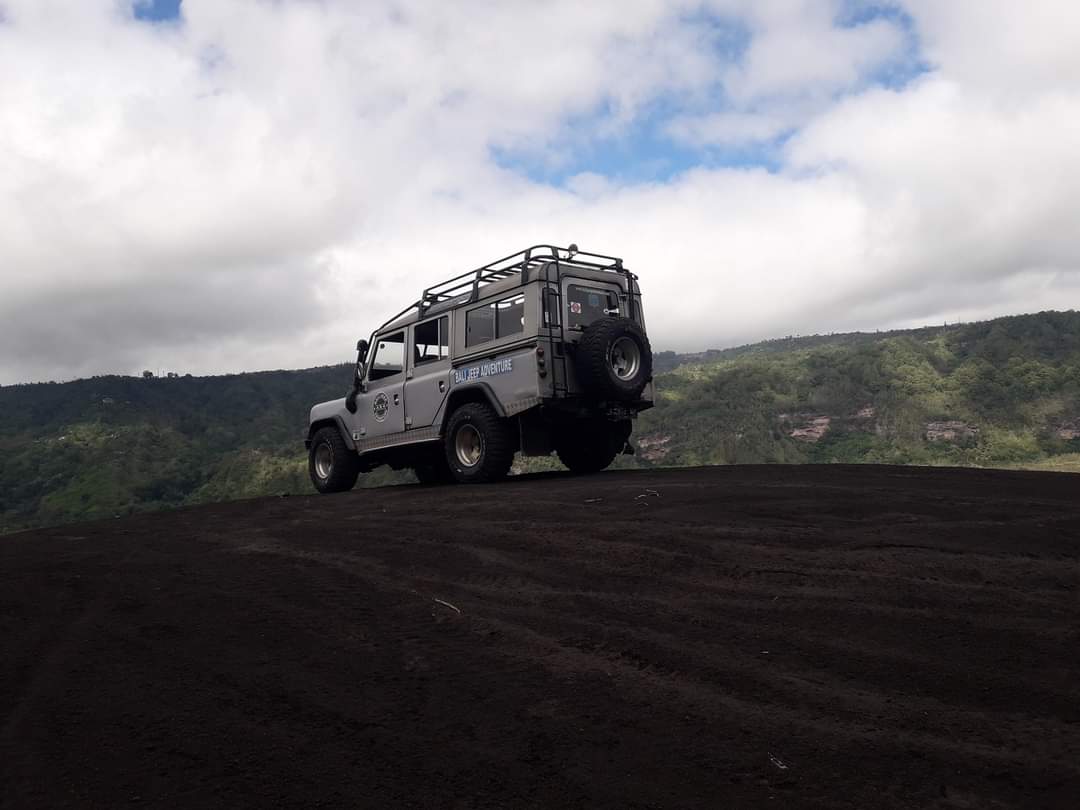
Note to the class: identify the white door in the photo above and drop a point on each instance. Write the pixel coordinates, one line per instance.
(380, 408)
(428, 378)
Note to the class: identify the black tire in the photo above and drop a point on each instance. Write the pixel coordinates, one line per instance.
(434, 470)
(591, 447)
(333, 467)
(601, 363)
(493, 444)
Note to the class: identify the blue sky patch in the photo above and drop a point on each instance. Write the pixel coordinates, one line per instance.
(643, 151)
(640, 152)
(896, 74)
(156, 10)
(730, 37)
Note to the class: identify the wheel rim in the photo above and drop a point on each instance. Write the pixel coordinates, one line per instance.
(625, 358)
(324, 461)
(468, 445)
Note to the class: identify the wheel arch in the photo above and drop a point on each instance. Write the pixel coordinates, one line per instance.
(334, 422)
(473, 392)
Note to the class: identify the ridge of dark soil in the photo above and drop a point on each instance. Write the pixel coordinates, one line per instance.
(817, 636)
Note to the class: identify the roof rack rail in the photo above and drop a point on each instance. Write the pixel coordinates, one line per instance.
(507, 267)
(515, 263)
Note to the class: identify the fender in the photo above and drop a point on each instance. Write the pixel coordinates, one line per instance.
(472, 392)
(334, 421)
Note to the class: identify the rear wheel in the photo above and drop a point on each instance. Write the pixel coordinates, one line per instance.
(333, 467)
(479, 445)
(591, 447)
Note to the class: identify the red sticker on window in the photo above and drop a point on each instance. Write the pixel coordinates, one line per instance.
(575, 307)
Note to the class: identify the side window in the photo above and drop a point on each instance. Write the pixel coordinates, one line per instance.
(587, 304)
(431, 341)
(479, 325)
(510, 316)
(389, 356)
(506, 317)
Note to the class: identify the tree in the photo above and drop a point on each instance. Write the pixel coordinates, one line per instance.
(148, 375)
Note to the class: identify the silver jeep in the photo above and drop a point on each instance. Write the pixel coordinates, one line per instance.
(544, 350)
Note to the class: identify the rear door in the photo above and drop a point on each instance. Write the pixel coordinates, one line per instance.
(428, 378)
(588, 301)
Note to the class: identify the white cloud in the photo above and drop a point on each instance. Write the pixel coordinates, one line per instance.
(809, 55)
(1008, 49)
(962, 188)
(256, 186)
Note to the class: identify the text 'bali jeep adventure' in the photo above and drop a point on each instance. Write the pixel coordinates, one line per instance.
(542, 351)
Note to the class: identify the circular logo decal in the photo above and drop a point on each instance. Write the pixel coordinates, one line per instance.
(380, 406)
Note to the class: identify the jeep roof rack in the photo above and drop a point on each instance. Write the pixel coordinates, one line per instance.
(467, 286)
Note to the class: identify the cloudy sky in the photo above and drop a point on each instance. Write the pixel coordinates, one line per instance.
(226, 185)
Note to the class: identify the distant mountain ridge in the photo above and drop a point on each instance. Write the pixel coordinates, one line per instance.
(669, 361)
(1004, 392)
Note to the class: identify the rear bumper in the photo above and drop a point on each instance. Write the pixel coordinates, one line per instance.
(579, 407)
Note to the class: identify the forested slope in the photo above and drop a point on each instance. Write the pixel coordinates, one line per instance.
(999, 393)
(109, 445)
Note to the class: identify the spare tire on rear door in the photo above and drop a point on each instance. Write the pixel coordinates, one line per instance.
(613, 359)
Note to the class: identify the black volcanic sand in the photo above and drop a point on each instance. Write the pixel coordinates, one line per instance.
(814, 636)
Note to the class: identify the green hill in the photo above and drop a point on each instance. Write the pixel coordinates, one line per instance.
(112, 445)
(999, 393)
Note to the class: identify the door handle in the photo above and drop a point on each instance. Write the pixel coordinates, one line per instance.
(396, 399)
(442, 386)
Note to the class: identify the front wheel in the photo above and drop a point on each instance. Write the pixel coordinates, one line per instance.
(479, 445)
(333, 467)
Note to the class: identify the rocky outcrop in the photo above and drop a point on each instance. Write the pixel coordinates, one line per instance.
(653, 447)
(805, 427)
(1069, 430)
(950, 431)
